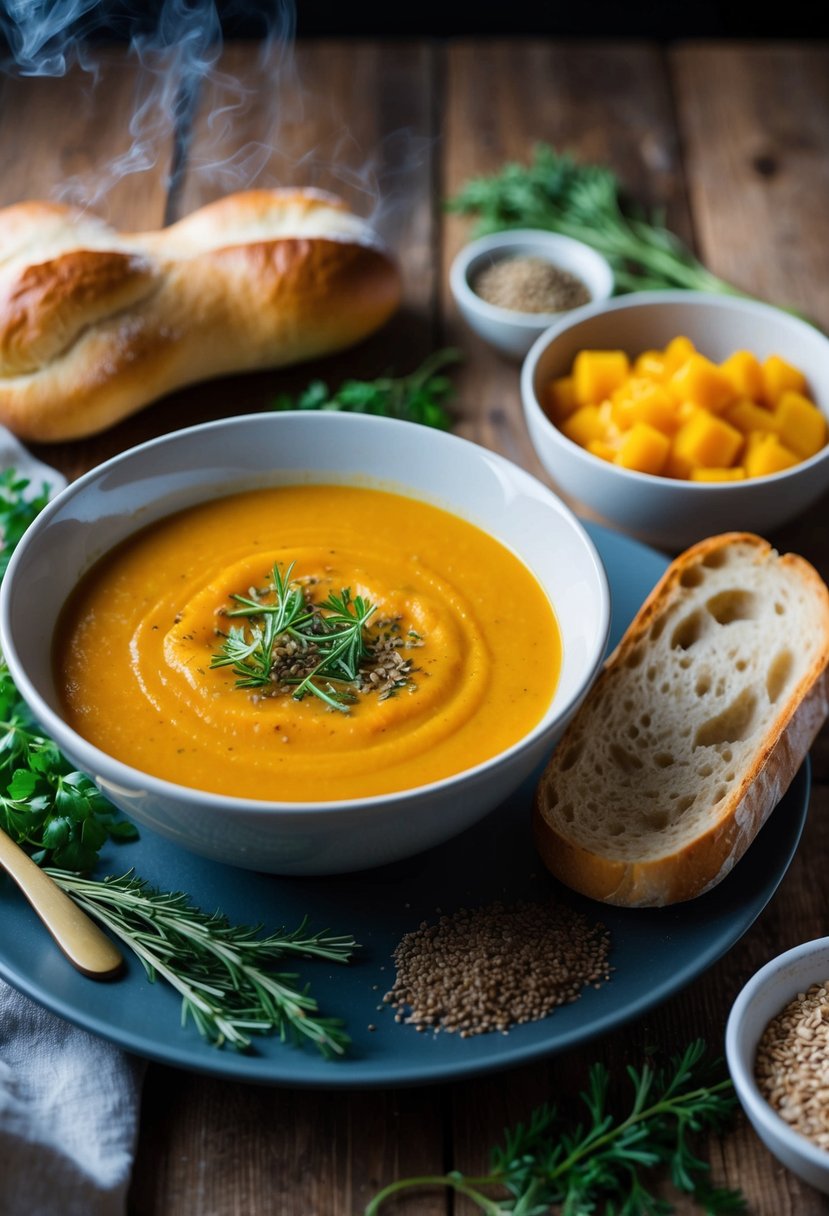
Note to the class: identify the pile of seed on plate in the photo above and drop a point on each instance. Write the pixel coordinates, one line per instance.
(489, 968)
(530, 284)
(792, 1064)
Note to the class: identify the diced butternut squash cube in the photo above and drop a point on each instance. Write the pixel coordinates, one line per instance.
(800, 424)
(746, 416)
(678, 351)
(701, 381)
(738, 473)
(706, 441)
(745, 373)
(612, 432)
(780, 377)
(753, 440)
(643, 400)
(644, 449)
(685, 411)
(768, 455)
(651, 364)
(596, 373)
(561, 399)
(583, 425)
(605, 451)
(677, 466)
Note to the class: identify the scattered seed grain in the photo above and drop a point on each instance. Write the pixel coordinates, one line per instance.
(530, 284)
(488, 968)
(792, 1064)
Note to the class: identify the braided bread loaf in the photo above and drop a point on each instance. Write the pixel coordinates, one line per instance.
(95, 324)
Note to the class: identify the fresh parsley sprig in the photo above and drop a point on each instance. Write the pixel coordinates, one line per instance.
(58, 814)
(18, 508)
(606, 1164)
(329, 637)
(558, 193)
(223, 972)
(422, 396)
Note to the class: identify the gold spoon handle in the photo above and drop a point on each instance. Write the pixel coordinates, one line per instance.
(80, 939)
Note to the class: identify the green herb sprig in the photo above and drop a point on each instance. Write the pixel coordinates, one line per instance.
(58, 814)
(224, 973)
(582, 201)
(421, 397)
(607, 1163)
(18, 508)
(331, 633)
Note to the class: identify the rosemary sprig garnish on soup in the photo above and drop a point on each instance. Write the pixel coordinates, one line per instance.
(292, 644)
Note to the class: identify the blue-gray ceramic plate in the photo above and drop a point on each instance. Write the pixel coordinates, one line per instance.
(655, 952)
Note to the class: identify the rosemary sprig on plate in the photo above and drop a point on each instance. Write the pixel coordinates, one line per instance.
(328, 639)
(223, 972)
(606, 1164)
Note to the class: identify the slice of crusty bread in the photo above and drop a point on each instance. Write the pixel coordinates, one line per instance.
(693, 731)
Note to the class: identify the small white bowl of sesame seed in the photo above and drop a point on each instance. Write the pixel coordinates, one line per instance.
(512, 286)
(777, 1046)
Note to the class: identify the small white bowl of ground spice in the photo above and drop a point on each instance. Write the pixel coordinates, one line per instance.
(777, 1045)
(512, 286)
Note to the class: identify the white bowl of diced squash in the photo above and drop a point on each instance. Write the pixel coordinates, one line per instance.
(676, 415)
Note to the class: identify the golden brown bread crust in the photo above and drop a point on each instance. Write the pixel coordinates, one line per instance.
(702, 862)
(90, 334)
(47, 306)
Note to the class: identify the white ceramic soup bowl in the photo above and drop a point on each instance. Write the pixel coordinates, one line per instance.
(509, 331)
(149, 482)
(663, 511)
(767, 994)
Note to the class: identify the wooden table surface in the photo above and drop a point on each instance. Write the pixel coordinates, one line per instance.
(733, 141)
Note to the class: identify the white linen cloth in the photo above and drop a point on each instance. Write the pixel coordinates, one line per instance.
(68, 1115)
(69, 1101)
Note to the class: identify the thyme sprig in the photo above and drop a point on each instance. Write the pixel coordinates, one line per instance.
(606, 1164)
(223, 972)
(329, 636)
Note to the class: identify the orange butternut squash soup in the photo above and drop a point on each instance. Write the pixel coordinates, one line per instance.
(307, 643)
